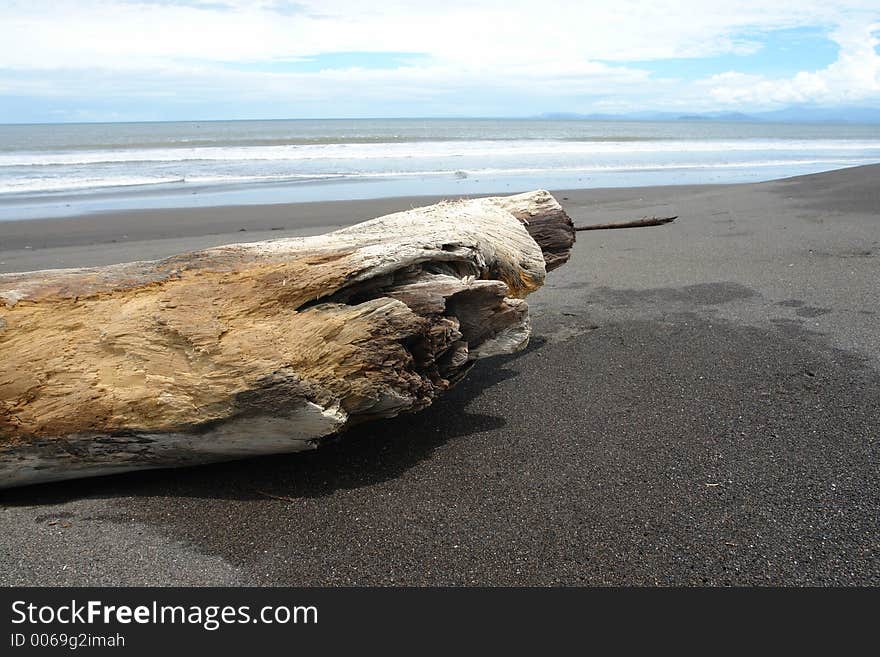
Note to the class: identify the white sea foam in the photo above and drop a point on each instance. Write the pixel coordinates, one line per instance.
(26, 185)
(423, 150)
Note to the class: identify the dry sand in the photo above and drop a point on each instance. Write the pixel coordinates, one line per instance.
(700, 404)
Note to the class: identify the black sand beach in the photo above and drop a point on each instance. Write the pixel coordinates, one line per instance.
(700, 404)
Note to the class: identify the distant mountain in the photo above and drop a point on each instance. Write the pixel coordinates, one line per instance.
(807, 114)
(794, 114)
(652, 116)
(716, 116)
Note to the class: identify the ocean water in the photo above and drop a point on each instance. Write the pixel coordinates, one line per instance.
(66, 169)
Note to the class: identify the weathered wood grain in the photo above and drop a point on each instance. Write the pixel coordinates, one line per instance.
(262, 347)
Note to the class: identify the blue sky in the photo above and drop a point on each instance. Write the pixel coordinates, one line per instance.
(774, 53)
(94, 60)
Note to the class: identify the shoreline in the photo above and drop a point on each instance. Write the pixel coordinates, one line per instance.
(147, 233)
(170, 196)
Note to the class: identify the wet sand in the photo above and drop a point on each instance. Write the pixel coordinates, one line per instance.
(700, 404)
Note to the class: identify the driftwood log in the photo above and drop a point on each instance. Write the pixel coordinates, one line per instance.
(262, 347)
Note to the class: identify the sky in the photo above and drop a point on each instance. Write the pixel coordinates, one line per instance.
(134, 60)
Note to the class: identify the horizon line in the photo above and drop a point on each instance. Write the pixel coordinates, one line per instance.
(662, 116)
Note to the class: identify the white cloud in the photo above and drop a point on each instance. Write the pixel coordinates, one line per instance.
(853, 77)
(65, 33)
(553, 54)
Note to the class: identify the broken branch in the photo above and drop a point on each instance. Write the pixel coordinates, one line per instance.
(637, 223)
